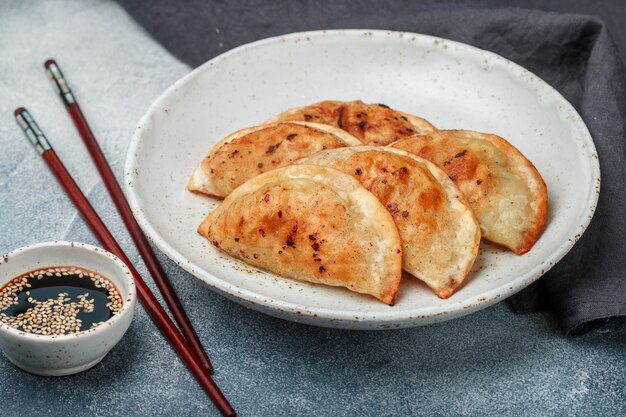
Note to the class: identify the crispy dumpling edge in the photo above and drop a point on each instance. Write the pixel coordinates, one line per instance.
(421, 124)
(389, 268)
(201, 183)
(539, 189)
(452, 192)
(294, 110)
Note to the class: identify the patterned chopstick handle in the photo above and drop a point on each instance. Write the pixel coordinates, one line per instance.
(56, 76)
(32, 131)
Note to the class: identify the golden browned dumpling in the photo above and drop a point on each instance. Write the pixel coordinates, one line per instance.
(439, 232)
(372, 124)
(505, 190)
(325, 112)
(252, 151)
(313, 224)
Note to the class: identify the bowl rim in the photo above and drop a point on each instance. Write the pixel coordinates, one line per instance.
(278, 306)
(129, 297)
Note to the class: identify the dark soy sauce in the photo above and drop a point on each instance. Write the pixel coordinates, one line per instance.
(58, 300)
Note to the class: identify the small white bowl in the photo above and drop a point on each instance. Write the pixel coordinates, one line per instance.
(73, 353)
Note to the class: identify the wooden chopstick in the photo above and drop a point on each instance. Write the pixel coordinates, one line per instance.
(115, 191)
(146, 297)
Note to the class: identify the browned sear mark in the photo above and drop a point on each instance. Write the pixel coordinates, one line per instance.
(339, 121)
(273, 147)
(393, 208)
(401, 173)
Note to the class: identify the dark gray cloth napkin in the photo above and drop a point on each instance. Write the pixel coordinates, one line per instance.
(574, 53)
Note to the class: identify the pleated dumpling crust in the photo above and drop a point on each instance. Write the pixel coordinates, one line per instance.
(439, 232)
(372, 124)
(505, 190)
(313, 224)
(252, 151)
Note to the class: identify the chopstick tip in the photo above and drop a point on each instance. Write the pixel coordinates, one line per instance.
(49, 62)
(60, 85)
(31, 130)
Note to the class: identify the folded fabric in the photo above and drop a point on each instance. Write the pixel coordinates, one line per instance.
(573, 53)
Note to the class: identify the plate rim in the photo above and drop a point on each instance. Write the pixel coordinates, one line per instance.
(316, 315)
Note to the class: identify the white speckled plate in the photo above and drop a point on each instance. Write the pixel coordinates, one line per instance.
(451, 84)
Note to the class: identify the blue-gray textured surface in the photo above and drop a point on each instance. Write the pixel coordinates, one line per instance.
(491, 363)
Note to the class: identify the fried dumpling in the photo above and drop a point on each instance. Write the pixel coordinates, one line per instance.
(505, 190)
(372, 124)
(313, 224)
(325, 112)
(252, 151)
(439, 232)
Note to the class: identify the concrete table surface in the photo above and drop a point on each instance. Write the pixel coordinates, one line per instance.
(491, 363)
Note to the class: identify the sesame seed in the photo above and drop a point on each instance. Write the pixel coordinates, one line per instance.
(57, 315)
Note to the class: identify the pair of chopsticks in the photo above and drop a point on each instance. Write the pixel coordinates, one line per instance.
(187, 344)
